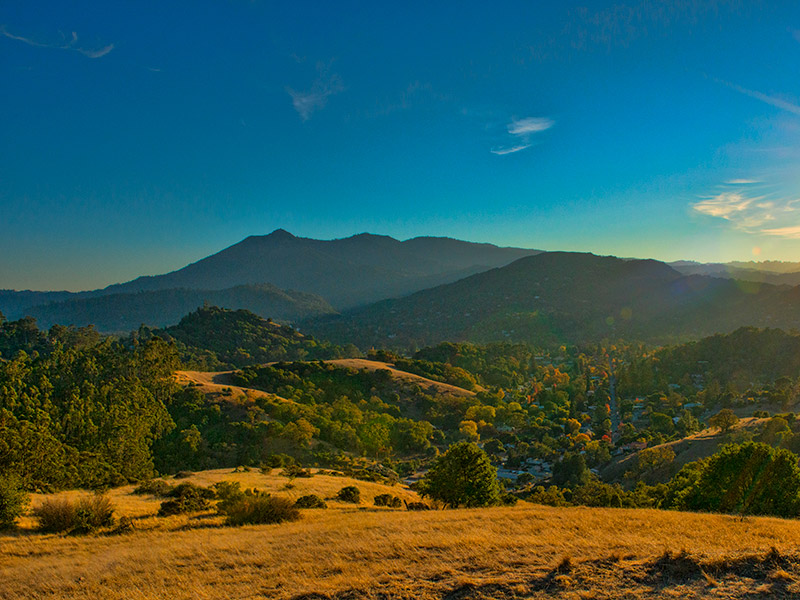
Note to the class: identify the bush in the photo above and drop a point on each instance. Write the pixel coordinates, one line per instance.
(186, 497)
(349, 493)
(296, 471)
(182, 474)
(13, 500)
(84, 516)
(155, 487)
(262, 509)
(310, 501)
(388, 500)
(228, 493)
(508, 499)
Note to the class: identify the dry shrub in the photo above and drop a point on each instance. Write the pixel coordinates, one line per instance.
(154, 487)
(83, 516)
(262, 509)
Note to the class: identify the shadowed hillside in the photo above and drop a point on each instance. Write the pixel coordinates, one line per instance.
(346, 272)
(125, 312)
(560, 297)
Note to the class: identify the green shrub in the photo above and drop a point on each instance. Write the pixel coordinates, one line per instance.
(310, 501)
(388, 500)
(227, 492)
(349, 493)
(184, 498)
(13, 500)
(508, 499)
(154, 487)
(296, 471)
(262, 509)
(83, 516)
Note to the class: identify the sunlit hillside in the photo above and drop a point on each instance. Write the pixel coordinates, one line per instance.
(348, 551)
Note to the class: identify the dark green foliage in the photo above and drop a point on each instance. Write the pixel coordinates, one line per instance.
(355, 410)
(498, 364)
(349, 493)
(388, 500)
(258, 509)
(82, 516)
(438, 372)
(296, 471)
(232, 497)
(186, 497)
(84, 416)
(310, 501)
(571, 471)
(13, 500)
(508, 499)
(751, 478)
(724, 420)
(155, 487)
(565, 297)
(734, 361)
(213, 336)
(462, 476)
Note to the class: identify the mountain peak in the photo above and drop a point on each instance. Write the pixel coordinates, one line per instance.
(280, 234)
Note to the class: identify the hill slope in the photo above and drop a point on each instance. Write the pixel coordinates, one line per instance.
(125, 312)
(566, 297)
(346, 272)
(524, 552)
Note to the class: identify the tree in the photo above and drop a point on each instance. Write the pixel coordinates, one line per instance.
(724, 419)
(462, 476)
(469, 429)
(751, 478)
(13, 500)
(571, 471)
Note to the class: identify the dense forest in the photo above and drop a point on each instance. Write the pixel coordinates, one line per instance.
(593, 424)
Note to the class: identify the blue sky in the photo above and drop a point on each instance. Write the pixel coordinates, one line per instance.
(136, 137)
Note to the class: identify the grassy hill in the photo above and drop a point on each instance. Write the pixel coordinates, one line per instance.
(348, 552)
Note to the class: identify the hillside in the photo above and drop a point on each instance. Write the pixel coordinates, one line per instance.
(346, 272)
(693, 447)
(501, 553)
(436, 387)
(254, 273)
(215, 337)
(772, 272)
(558, 297)
(127, 311)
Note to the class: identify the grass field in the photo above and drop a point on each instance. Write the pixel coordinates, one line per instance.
(348, 552)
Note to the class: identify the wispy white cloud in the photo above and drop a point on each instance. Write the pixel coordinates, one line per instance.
(757, 214)
(742, 181)
(308, 102)
(70, 44)
(521, 132)
(529, 125)
(511, 150)
(771, 100)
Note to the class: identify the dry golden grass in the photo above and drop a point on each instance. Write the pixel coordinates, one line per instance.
(349, 552)
(216, 386)
(423, 382)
